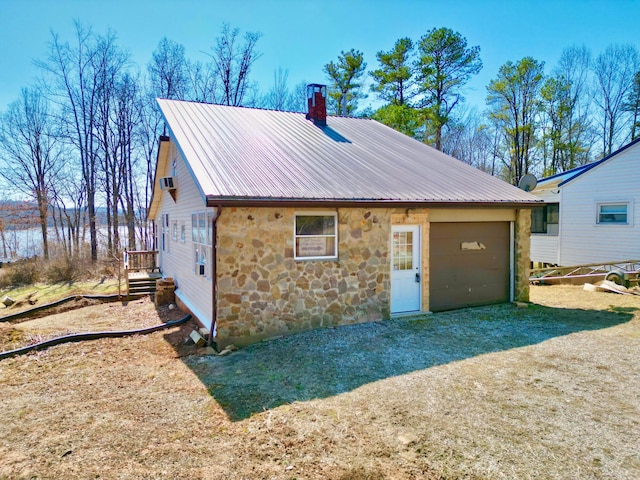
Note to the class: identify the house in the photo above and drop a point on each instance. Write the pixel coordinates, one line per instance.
(589, 214)
(275, 222)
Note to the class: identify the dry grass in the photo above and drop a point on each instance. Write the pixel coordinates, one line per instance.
(550, 391)
(42, 293)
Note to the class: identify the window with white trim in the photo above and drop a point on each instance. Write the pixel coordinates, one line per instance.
(202, 239)
(613, 213)
(316, 235)
(182, 232)
(164, 232)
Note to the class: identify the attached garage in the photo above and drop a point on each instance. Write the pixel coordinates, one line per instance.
(469, 264)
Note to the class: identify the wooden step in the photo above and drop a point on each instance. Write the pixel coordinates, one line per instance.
(140, 284)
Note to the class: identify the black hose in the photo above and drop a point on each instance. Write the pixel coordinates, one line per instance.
(79, 337)
(31, 311)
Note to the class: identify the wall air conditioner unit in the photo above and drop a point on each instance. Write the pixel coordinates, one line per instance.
(168, 183)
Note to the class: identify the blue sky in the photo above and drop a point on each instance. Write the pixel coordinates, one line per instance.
(302, 36)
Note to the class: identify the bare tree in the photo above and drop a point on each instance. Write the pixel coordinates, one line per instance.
(147, 135)
(203, 83)
(78, 73)
(632, 105)
(576, 131)
(232, 62)
(129, 111)
(614, 71)
(299, 97)
(109, 132)
(471, 140)
(30, 152)
(168, 70)
(279, 97)
(68, 210)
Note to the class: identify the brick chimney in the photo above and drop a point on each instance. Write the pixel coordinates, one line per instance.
(317, 103)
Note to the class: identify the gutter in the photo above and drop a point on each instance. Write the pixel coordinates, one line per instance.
(214, 201)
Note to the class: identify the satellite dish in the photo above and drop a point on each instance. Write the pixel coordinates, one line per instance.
(528, 182)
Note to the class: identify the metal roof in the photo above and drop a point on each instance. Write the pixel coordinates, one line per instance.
(238, 153)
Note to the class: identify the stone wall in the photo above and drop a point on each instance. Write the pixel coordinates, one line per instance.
(263, 292)
(522, 255)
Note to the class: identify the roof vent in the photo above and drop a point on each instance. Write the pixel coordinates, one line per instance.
(317, 103)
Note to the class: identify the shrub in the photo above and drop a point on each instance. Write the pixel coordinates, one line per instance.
(67, 269)
(58, 269)
(23, 272)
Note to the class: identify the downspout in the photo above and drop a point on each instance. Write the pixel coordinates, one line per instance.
(214, 275)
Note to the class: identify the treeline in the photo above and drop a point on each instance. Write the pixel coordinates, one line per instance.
(84, 136)
(532, 122)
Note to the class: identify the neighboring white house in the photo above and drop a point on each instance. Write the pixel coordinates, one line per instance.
(591, 213)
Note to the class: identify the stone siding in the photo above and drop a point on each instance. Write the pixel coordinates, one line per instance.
(522, 255)
(265, 292)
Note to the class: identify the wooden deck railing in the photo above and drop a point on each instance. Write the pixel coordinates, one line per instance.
(142, 260)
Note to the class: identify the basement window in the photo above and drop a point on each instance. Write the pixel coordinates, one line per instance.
(613, 213)
(316, 236)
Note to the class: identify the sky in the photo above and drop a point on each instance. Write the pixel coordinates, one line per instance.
(302, 36)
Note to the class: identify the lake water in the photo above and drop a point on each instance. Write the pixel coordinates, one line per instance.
(28, 242)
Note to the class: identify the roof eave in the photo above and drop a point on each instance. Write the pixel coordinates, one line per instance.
(215, 201)
(162, 159)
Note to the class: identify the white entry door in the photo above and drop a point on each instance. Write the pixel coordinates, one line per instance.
(406, 273)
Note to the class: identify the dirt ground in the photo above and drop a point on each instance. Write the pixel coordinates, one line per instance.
(550, 391)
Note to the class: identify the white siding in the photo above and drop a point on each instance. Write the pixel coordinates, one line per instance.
(582, 239)
(544, 247)
(549, 196)
(178, 262)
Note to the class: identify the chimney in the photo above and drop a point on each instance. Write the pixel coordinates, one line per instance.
(317, 103)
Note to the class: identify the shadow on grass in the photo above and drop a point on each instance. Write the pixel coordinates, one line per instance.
(331, 361)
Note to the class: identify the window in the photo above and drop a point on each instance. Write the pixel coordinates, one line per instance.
(545, 219)
(164, 232)
(174, 231)
(615, 213)
(403, 250)
(316, 235)
(182, 232)
(201, 237)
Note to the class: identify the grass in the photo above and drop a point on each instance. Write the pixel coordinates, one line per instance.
(491, 393)
(45, 293)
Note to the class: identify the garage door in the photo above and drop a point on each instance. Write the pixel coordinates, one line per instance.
(469, 264)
